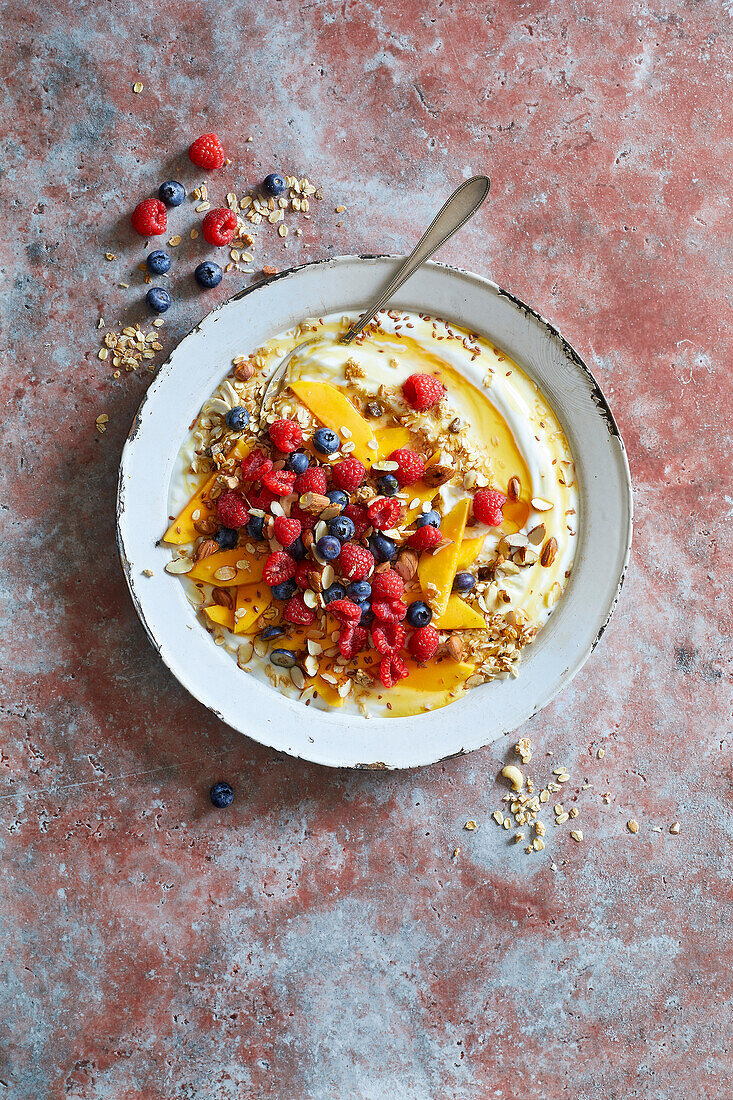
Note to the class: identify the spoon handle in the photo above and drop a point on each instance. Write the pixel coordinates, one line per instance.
(462, 205)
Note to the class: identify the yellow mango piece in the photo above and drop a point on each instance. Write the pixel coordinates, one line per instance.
(247, 569)
(391, 439)
(422, 493)
(224, 616)
(437, 571)
(182, 529)
(252, 600)
(431, 687)
(459, 615)
(469, 551)
(331, 406)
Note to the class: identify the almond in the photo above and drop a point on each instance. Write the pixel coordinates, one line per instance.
(308, 539)
(209, 525)
(314, 503)
(514, 488)
(222, 596)
(537, 534)
(549, 551)
(454, 646)
(406, 564)
(435, 476)
(206, 549)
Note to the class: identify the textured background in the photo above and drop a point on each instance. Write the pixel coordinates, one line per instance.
(318, 939)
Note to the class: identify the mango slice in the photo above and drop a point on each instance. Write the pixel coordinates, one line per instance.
(391, 439)
(437, 571)
(459, 615)
(247, 569)
(331, 406)
(252, 599)
(224, 616)
(470, 550)
(182, 529)
(429, 687)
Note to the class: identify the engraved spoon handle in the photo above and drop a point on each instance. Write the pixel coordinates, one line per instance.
(462, 205)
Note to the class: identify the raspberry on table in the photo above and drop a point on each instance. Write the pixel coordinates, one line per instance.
(384, 512)
(345, 610)
(424, 538)
(352, 640)
(389, 611)
(359, 517)
(392, 669)
(388, 637)
(219, 226)
(410, 465)
(348, 474)
(297, 611)
(279, 567)
(355, 562)
(286, 530)
(150, 218)
(279, 481)
(206, 152)
(312, 481)
(388, 585)
(487, 507)
(231, 509)
(287, 436)
(423, 643)
(422, 391)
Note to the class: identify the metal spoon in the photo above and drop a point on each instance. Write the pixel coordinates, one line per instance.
(455, 212)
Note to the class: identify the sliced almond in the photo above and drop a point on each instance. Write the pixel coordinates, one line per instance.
(244, 654)
(541, 505)
(179, 565)
(225, 573)
(537, 535)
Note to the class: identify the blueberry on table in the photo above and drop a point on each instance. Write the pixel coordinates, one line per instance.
(342, 528)
(464, 582)
(284, 590)
(333, 592)
(273, 184)
(237, 419)
(328, 547)
(382, 548)
(338, 496)
(208, 274)
(222, 794)
(158, 299)
(158, 262)
(326, 442)
(255, 527)
(419, 614)
(298, 462)
(428, 519)
(227, 538)
(358, 591)
(172, 193)
(388, 485)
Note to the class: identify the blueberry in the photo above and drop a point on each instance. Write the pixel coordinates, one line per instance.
(328, 547)
(172, 193)
(158, 299)
(284, 590)
(283, 658)
(273, 184)
(227, 538)
(333, 592)
(326, 442)
(428, 519)
(272, 632)
(382, 548)
(297, 549)
(255, 527)
(237, 419)
(158, 262)
(208, 274)
(464, 582)
(366, 612)
(388, 485)
(358, 591)
(342, 528)
(419, 614)
(338, 496)
(221, 794)
(297, 462)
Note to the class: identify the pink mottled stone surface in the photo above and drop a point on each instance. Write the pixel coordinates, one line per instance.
(318, 940)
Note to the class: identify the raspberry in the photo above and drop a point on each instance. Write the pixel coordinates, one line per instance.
(297, 611)
(231, 509)
(410, 465)
(313, 480)
(359, 517)
(422, 391)
(206, 152)
(261, 498)
(254, 465)
(279, 481)
(355, 562)
(286, 531)
(384, 512)
(388, 637)
(307, 521)
(424, 538)
(219, 226)
(286, 435)
(387, 585)
(279, 567)
(150, 218)
(423, 643)
(345, 610)
(302, 578)
(487, 507)
(348, 474)
(392, 669)
(389, 611)
(352, 640)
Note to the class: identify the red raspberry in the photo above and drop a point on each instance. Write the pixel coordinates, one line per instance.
(424, 538)
(355, 562)
(389, 611)
(279, 567)
(219, 226)
(410, 465)
(302, 578)
(345, 610)
(313, 480)
(286, 531)
(387, 585)
(279, 481)
(352, 640)
(254, 465)
(423, 643)
(297, 611)
(392, 669)
(348, 474)
(150, 218)
(359, 517)
(487, 507)
(206, 152)
(286, 435)
(388, 638)
(261, 498)
(422, 391)
(384, 512)
(307, 521)
(231, 508)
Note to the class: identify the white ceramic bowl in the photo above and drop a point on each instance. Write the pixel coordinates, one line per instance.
(196, 367)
